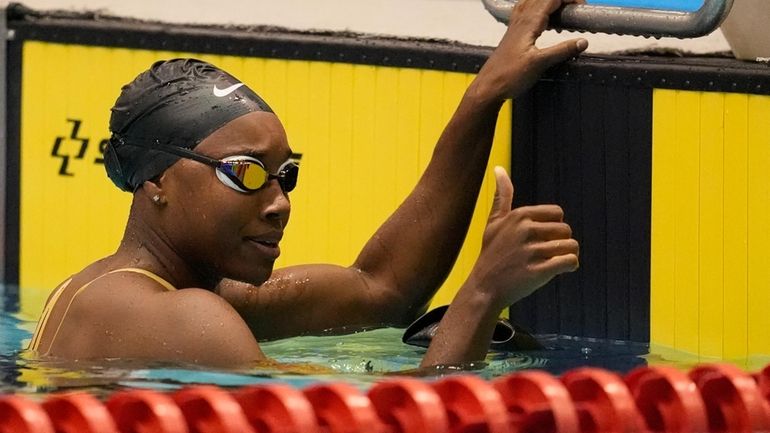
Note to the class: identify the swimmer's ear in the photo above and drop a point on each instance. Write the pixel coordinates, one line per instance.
(153, 190)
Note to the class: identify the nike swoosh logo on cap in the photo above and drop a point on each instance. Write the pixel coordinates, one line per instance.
(220, 93)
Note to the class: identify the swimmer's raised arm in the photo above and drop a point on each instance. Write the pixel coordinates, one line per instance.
(522, 249)
(413, 259)
(411, 254)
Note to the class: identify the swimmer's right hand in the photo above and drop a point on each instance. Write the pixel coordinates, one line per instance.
(517, 63)
(522, 248)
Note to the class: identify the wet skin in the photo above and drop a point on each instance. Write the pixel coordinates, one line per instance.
(201, 229)
(236, 234)
(219, 245)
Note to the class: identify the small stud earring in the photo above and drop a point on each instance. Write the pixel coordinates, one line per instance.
(156, 199)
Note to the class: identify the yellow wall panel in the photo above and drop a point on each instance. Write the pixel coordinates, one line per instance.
(314, 195)
(711, 198)
(363, 118)
(735, 227)
(296, 119)
(711, 236)
(366, 133)
(758, 218)
(341, 162)
(686, 211)
(663, 247)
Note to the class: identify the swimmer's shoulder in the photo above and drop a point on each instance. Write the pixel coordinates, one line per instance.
(131, 315)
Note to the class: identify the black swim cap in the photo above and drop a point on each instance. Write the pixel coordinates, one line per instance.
(177, 102)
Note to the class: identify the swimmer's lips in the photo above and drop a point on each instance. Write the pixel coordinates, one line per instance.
(266, 244)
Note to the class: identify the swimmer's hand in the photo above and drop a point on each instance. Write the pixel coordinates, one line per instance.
(517, 63)
(522, 249)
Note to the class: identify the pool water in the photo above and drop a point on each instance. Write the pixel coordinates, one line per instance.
(360, 359)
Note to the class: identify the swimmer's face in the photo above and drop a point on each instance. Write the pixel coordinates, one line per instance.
(220, 230)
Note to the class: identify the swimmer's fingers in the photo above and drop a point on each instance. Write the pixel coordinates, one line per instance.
(503, 200)
(562, 52)
(551, 231)
(558, 265)
(539, 8)
(535, 15)
(542, 213)
(556, 248)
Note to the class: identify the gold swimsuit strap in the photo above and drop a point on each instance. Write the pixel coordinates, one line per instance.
(35, 343)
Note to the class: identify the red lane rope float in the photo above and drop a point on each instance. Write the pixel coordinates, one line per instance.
(277, 408)
(763, 379)
(473, 405)
(141, 411)
(341, 408)
(668, 400)
(208, 409)
(20, 415)
(78, 413)
(733, 400)
(603, 402)
(713, 398)
(409, 406)
(537, 403)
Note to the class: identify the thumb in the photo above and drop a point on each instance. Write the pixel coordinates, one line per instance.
(503, 200)
(562, 52)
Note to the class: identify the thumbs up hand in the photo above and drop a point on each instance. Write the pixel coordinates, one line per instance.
(522, 248)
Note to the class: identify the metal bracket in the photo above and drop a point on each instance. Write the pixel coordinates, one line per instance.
(629, 21)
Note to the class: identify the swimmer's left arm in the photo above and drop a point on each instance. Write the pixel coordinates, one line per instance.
(308, 299)
(407, 260)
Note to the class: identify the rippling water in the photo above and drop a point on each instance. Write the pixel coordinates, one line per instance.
(361, 359)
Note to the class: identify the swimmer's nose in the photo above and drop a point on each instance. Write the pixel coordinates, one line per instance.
(277, 205)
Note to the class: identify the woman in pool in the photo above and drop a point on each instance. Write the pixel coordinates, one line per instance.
(210, 171)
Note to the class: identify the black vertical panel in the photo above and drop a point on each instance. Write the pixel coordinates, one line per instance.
(618, 211)
(546, 301)
(594, 210)
(523, 162)
(12, 199)
(589, 144)
(640, 226)
(569, 135)
(523, 177)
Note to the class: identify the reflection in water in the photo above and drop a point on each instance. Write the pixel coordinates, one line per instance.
(675, 5)
(359, 359)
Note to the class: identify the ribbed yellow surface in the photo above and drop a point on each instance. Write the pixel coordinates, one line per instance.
(710, 280)
(366, 134)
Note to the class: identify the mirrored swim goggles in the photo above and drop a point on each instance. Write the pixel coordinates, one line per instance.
(242, 173)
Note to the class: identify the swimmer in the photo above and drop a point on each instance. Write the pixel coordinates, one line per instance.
(211, 172)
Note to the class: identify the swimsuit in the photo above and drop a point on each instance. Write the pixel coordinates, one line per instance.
(43, 323)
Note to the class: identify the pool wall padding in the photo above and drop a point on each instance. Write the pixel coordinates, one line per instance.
(660, 164)
(661, 167)
(710, 398)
